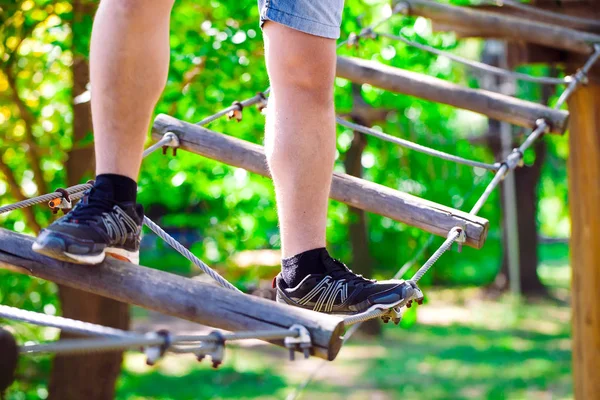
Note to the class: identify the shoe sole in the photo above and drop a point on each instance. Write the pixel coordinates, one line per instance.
(379, 306)
(57, 253)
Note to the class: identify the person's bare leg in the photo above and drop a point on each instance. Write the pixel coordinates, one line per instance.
(129, 61)
(300, 133)
(128, 66)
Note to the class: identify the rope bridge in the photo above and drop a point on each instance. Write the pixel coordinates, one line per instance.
(225, 307)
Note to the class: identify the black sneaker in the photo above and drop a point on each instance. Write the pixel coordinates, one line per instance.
(341, 291)
(96, 227)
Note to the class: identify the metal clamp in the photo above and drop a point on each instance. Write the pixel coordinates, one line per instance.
(61, 203)
(581, 77)
(262, 104)
(542, 122)
(401, 8)
(394, 314)
(215, 349)
(237, 112)
(462, 235)
(352, 39)
(173, 143)
(513, 160)
(155, 353)
(368, 32)
(301, 341)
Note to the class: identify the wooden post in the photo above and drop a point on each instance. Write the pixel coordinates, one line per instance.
(584, 199)
(174, 295)
(359, 193)
(494, 105)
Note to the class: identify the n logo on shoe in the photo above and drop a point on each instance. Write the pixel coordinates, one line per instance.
(327, 291)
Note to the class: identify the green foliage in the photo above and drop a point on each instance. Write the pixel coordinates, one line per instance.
(502, 352)
(217, 58)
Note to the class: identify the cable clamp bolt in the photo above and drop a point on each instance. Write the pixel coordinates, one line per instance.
(368, 33)
(581, 77)
(401, 8)
(352, 39)
(173, 143)
(301, 341)
(237, 112)
(462, 235)
(61, 203)
(216, 349)
(155, 353)
(417, 294)
(513, 160)
(542, 122)
(263, 102)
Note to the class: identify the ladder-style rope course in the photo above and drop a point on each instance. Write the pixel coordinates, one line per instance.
(296, 337)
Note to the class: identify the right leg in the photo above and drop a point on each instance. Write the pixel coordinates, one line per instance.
(129, 61)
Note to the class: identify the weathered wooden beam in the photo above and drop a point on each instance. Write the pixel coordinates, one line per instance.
(495, 105)
(552, 13)
(512, 28)
(174, 295)
(355, 192)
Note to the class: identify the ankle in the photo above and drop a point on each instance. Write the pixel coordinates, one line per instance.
(119, 188)
(295, 269)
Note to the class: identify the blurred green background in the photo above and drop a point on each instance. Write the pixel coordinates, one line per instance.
(470, 341)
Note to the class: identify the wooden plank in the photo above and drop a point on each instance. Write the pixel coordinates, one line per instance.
(502, 26)
(355, 192)
(174, 295)
(495, 105)
(584, 197)
(559, 14)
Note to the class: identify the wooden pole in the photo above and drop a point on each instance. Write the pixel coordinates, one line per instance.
(502, 26)
(494, 105)
(584, 199)
(358, 193)
(551, 13)
(174, 295)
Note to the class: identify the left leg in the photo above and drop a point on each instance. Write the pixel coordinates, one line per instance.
(300, 133)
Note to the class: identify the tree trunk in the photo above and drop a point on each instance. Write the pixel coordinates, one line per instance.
(89, 376)
(526, 183)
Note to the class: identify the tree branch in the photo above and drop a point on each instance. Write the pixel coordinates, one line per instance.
(26, 115)
(16, 193)
(29, 119)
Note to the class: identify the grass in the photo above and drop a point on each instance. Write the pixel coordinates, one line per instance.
(465, 349)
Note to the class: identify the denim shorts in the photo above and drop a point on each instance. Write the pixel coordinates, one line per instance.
(316, 17)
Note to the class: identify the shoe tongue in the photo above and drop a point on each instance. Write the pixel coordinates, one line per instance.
(332, 265)
(95, 202)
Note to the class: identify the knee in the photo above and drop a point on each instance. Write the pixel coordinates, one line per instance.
(304, 77)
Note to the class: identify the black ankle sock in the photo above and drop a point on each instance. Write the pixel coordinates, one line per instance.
(296, 268)
(116, 187)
